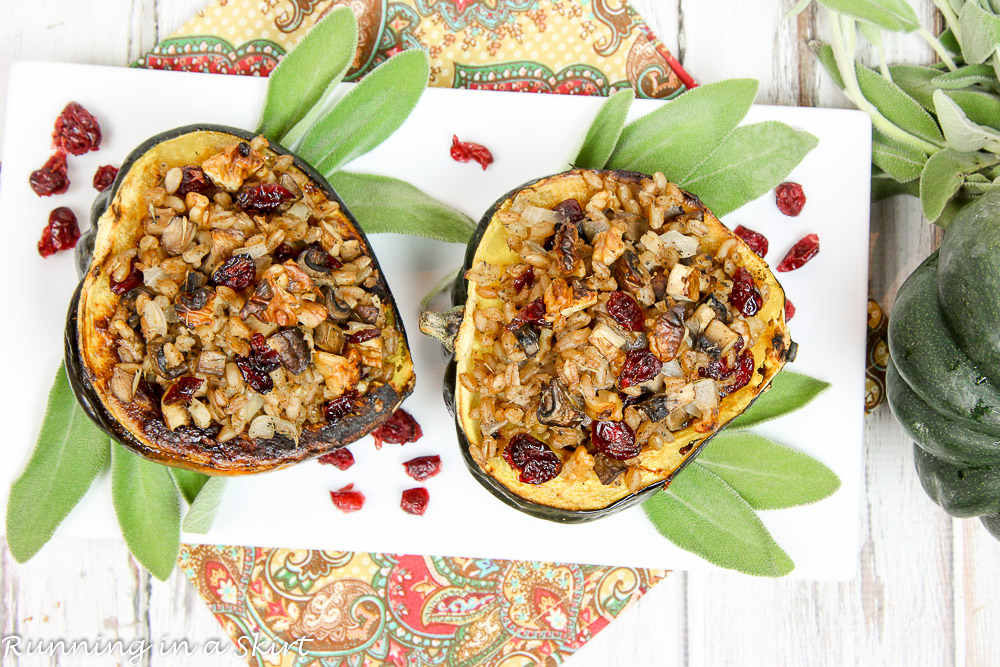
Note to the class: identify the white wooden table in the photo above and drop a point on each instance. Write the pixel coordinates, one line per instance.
(926, 589)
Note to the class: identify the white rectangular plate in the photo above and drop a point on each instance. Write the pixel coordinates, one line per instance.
(530, 136)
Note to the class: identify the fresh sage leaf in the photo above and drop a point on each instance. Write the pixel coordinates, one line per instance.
(148, 510)
(961, 133)
(916, 81)
(188, 482)
(769, 476)
(964, 77)
(383, 204)
(204, 507)
(943, 176)
(68, 455)
(605, 131)
(974, 188)
(676, 137)
(751, 161)
(898, 107)
(979, 107)
(368, 114)
(901, 161)
(308, 72)
(885, 186)
(892, 15)
(980, 33)
(824, 53)
(700, 513)
(797, 9)
(789, 391)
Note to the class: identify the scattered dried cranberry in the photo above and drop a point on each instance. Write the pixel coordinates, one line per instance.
(61, 233)
(423, 467)
(347, 499)
(744, 371)
(415, 501)
(615, 440)
(790, 198)
(745, 295)
(238, 272)
(640, 366)
(253, 375)
(525, 279)
(463, 151)
(341, 406)
(361, 335)
(532, 313)
(132, 280)
(789, 309)
(570, 209)
(756, 240)
(626, 311)
(51, 179)
(399, 429)
(804, 249)
(282, 254)
(104, 177)
(533, 458)
(77, 131)
(342, 458)
(717, 369)
(183, 390)
(192, 180)
(264, 198)
(265, 356)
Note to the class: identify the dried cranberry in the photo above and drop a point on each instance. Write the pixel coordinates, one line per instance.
(104, 177)
(415, 501)
(804, 249)
(282, 254)
(790, 198)
(626, 311)
(463, 151)
(745, 295)
(789, 309)
(262, 354)
(51, 179)
(640, 366)
(756, 240)
(423, 467)
(342, 458)
(570, 209)
(61, 233)
(192, 180)
(616, 440)
(77, 131)
(532, 458)
(525, 279)
(132, 280)
(743, 371)
(183, 390)
(341, 406)
(253, 375)
(361, 335)
(264, 198)
(399, 429)
(717, 369)
(347, 499)
(532, 313)
(238, 272)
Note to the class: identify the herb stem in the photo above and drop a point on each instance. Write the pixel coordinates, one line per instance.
(442, 285)
(797, 9)
(950, 18)
(939, 49)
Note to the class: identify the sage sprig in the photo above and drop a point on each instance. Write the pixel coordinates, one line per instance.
(605, 131)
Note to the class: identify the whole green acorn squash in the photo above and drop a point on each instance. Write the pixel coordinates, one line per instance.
(943, 382)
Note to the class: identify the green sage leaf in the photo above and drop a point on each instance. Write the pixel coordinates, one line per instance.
(676, 137)
(898, 107)
(68, 455)
(205, 506)
(979, 107)
(751, 161)
(700, 513)
(797, 9)
(901, 161)
(980, 33)
(964, 77)
(885, 186)
(605, 131)
(824, 53)
(383, 204)
(188, 482)
(769, 476)
(962, 134)
(916, 81)
(368, 114)
(892, 15)
(789, 391)
(308, 72)
(943, 176)
(148, 510)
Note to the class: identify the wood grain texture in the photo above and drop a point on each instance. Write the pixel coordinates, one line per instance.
(924, 592)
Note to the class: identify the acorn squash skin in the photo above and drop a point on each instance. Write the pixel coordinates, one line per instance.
(522, 500)
(186, 447)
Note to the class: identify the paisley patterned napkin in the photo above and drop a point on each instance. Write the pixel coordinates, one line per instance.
(357, 609)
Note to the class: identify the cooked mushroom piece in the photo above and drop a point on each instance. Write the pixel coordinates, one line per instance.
(565, 246)
(314, 261)
(720, 335)
(329, 337)
(557, 408)
(160, 363)
(591, 228)
(293, 351)
(608, 340)
(289, 184)
(682, 283)
(703, 315)
(633, 277)
(607, 469)
(635, 225)
(368, 314)
(668, 333)
(527, 338)
(211, 363)
(259, 301)
(339, 311)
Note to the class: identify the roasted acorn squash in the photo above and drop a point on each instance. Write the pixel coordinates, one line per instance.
(572, 444)
(271, 288)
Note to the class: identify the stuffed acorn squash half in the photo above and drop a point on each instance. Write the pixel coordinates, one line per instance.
(606, 327)
(233, 318)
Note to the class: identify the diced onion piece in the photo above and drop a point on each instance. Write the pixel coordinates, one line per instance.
(706, 397)
(672, 369)
(533, 215)
(253, 405)
(255, 251)
(686, 246)
(202, 417)
(265, 426)
(175, 415)
(152, 277)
